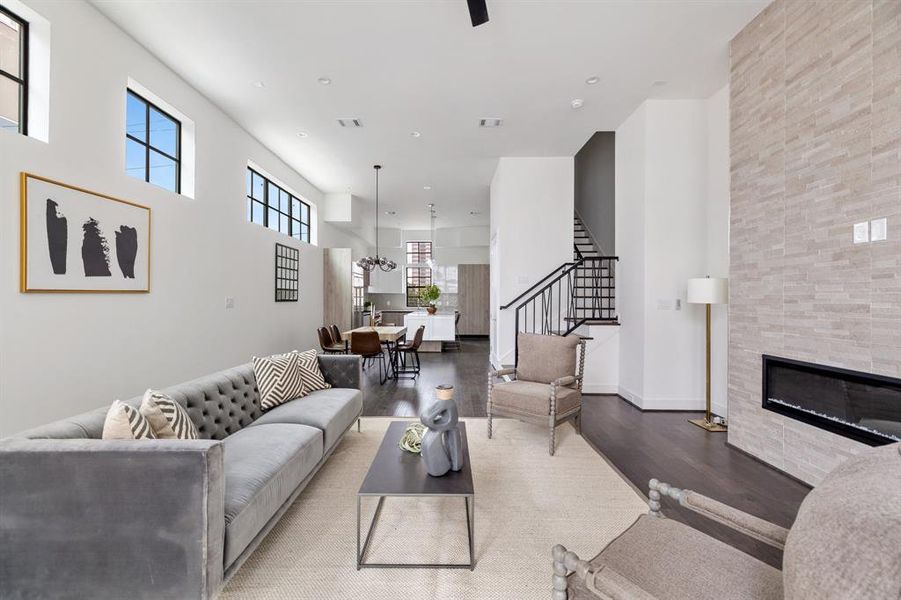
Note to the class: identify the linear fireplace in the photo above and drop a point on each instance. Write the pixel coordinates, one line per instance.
(858, 405)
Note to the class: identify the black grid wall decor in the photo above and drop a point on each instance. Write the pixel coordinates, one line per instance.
(287, 273)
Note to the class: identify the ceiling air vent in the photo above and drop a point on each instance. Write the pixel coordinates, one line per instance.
(350, 122)
(490, 122)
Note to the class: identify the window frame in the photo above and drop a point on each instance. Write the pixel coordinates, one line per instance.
(267, 206)
(423, 257)
(420, 284)
(22, 80)
(148, 146)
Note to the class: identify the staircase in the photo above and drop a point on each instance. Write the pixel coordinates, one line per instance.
(582, 292)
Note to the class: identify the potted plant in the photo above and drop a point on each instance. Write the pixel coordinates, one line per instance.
(429, 296)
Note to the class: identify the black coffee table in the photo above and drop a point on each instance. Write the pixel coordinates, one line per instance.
(395, 472)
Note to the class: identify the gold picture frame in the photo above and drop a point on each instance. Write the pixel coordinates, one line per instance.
(49, 271)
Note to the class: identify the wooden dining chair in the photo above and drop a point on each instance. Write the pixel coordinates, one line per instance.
(327, 344)
(367, 345)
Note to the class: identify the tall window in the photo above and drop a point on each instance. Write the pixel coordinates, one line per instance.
(152, 144)
(418, 253)
(417, 278)
(13, 72)
(358, 283)
(272, 206)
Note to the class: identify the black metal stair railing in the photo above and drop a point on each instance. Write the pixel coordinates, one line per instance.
(574, 294)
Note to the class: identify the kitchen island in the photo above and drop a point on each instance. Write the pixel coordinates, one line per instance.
(438, 328)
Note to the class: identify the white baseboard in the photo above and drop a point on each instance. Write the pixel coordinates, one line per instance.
(630, 396)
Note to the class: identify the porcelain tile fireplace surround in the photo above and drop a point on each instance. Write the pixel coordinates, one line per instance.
(816, 148)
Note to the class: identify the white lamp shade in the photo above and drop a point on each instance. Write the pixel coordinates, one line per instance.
(708, 290)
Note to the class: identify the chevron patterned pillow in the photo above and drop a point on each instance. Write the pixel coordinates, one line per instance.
(124, 422)
(308, 363)
(167, 418)
(278, 379)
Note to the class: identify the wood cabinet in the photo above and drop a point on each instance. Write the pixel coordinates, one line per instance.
(337, 289)
(472, 299)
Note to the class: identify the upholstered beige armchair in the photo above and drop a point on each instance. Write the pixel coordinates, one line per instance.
(547, 389)
(844, 543)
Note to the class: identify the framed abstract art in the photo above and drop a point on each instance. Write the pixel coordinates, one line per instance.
(76, 240)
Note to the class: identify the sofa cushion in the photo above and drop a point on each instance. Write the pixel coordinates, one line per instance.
(532, 398)
(332, 411)
(167, 417)
(278, 378)
(846, 539)
(668, 559)
(544, 358)
(124, 422)
(263, 466)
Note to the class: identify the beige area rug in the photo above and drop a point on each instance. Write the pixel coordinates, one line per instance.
(526, 501)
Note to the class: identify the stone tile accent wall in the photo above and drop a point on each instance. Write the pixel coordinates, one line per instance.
(815, 148)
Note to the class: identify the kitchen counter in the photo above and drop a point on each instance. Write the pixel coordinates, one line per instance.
(439, 327)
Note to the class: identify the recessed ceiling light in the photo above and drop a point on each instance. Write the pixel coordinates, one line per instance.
(592, 80)
(324, 80)
(259, 84)
(350, 122)
(490, 122)
(426, 187)
(302, 134)
(390, 212)
(659, 83)
(577, 103)
(475, 212)
(415, 134)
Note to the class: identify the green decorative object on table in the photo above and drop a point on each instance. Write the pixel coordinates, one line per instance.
(411, 440)
(429, 296)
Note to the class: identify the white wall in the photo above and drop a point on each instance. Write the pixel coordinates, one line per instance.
(532, 218)
(670, 227)
(61, 354)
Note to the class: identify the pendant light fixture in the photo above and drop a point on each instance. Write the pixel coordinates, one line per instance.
(432, 216)
(369, 263)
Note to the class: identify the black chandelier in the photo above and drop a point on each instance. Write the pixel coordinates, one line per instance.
(384, 263)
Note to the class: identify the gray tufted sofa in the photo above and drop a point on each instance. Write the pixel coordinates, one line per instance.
(82, 517)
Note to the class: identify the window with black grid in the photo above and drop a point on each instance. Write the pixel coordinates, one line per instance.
(270, 205)
(358, 285)
(13, 72)
(287, 272)
(418, 253)
(417, 278)
(152, 143)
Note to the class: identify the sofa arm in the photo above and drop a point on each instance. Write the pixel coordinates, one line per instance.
(502, 372)
(566, 381)
(342, 370)
(752, 526)
(95, 518)
(603, 581)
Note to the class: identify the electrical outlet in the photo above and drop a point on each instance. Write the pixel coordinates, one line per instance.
(229, 302)
(879, 230)
(862, 232)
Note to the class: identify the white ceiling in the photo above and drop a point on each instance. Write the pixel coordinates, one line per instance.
(405, 66)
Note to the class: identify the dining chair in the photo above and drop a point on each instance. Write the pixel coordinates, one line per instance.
(336, 336)
(411, 347)
(327, 344)
(367, 345)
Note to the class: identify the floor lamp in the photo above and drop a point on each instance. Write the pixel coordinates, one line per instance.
(708, 290)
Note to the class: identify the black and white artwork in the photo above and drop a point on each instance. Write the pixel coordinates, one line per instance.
(75, 240)
(287, 273)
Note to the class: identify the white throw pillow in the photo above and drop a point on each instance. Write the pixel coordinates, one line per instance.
(308, 363)
(167, 418)
(126, 423)
(278, 379)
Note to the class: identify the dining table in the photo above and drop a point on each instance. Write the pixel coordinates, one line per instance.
(389, 335)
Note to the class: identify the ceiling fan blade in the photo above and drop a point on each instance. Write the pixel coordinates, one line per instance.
(478, 12)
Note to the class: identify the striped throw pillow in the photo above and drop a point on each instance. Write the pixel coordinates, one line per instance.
(124, 422)
(308, 364)
(278, 379)
(167, 418)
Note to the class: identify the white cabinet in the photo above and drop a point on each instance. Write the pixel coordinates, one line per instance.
(439, 327)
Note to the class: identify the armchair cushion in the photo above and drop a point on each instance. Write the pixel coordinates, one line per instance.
(667, 559)
(530, 398)
(544, 358)
(846, 539)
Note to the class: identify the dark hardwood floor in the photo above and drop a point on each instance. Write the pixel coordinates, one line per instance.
(641, 445)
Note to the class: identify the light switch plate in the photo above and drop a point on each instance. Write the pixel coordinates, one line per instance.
(878, 230)
(229, 302)
(862, 232)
